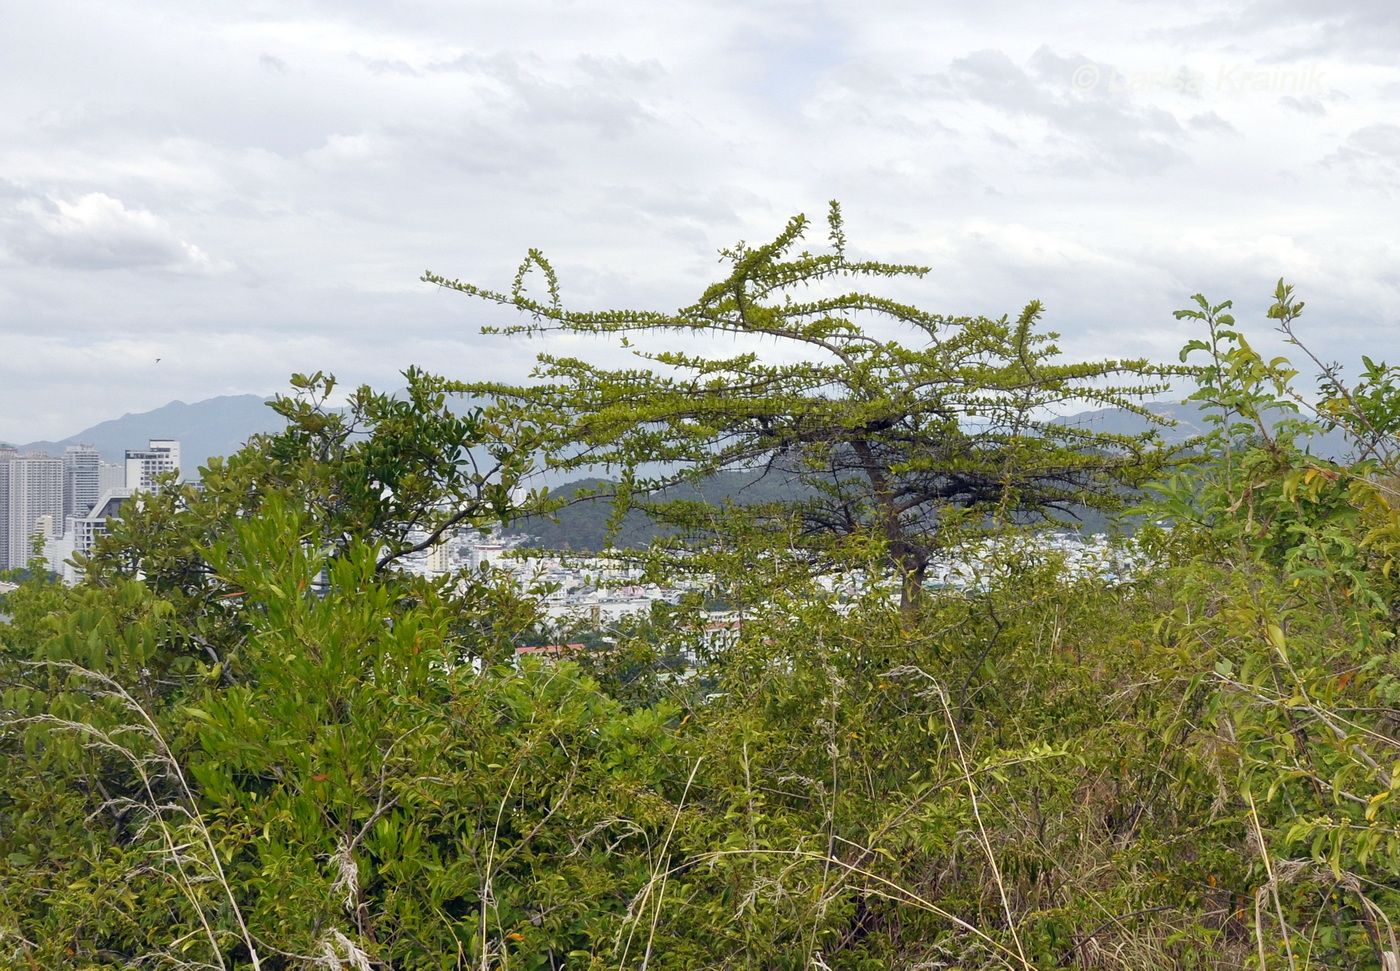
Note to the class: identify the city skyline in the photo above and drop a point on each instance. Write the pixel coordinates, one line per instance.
(67, 499)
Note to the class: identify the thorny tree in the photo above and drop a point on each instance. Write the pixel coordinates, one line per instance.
(897, 424)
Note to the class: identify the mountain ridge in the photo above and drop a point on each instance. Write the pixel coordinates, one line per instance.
(212, 426)
(222, 424)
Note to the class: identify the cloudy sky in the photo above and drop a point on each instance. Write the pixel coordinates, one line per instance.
(246, 190)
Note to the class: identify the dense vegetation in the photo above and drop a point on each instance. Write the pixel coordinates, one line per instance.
(248, 740)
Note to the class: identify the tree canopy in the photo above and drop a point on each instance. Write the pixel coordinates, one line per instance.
(897, 425)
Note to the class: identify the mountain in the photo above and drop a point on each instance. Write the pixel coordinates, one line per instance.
(1120, 421)
(1190, 420)
(214, 426)
(220, 426)
(583, 526)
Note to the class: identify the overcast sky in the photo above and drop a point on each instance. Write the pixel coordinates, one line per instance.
(243, 190)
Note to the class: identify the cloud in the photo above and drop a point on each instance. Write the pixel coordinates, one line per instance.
(1371, 155)
(1304, 106)
(1092, 125)
(1365, 28)
(335, 150)
(1210, 121)
(1373, 141)
(1293, 31)
(384, 65)
(602, 93)
(97, 232)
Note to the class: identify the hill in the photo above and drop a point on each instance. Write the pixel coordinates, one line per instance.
(582, 527)
(220, 426)
(1190, 421)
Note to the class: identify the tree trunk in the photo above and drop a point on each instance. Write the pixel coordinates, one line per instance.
(912, 566)
(911, 589)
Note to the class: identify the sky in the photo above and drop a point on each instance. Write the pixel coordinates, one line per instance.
(201, 198)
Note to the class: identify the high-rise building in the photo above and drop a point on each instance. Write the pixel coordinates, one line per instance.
(111, 477)
(143, 466)
(31, 487)
(7, 458)
(82, 481)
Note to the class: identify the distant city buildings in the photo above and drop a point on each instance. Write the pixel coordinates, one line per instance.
(83, 533)
(31, 497)
(82, 480)
(111, 476)
(437, 559)
(67, 501)
(144, 466)
(70, 501)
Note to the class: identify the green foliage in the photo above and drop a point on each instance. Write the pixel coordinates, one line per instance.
(361, 778)
(401, 470)
(906, 428)
(1285, 564)
(248, 741)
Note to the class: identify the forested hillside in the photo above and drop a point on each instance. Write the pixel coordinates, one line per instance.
(249, 740)
(583, 519)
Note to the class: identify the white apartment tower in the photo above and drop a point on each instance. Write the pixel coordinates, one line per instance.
(31, 487)
(111, 476)
(161, 455)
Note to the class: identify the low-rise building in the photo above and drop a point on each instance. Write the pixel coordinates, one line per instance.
(84, 531)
